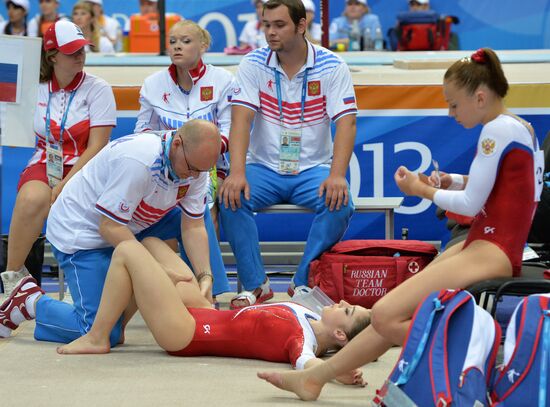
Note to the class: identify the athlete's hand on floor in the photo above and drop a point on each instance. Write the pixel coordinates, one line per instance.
(336, 189)
(355, 377)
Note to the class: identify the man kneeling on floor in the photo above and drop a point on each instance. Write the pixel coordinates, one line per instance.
(184, 323)
(137, 186)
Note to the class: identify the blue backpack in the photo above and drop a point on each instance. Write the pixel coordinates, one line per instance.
(524, 377)
(451, 345)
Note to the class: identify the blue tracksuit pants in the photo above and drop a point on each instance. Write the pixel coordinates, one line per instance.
(270, 188)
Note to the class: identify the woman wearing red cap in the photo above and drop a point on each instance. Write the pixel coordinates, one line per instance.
(73, 120)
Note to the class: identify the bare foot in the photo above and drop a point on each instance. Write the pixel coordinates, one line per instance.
(85, 345)
(303, 385)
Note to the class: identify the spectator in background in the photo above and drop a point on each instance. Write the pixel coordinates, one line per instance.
(110, 27)
(40, 23)
(356, 17)
(253, 36)
(313, 30)
(148, 7)
(75, 114)
(17, 18)
(84, 17)
(419, 5)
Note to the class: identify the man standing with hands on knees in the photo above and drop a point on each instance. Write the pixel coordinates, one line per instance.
(128, 191)
(291, 90)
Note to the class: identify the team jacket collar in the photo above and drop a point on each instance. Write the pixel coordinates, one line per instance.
(75, 83)
(273, 62)
(195, 73)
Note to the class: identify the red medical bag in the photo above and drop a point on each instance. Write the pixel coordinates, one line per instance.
(362, 271)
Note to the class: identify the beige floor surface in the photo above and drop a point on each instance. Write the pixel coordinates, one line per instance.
(139, 373)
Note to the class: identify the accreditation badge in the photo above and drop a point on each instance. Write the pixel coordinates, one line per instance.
(54, 164)
(289, 151)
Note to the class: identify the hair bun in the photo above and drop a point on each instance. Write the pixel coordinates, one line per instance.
(479, 56)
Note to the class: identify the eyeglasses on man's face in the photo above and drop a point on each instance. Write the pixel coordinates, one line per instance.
(190, 168)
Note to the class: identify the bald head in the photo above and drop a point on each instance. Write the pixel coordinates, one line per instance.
(202, 142)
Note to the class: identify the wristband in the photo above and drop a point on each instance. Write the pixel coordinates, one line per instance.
(204, 274)
(457, 183)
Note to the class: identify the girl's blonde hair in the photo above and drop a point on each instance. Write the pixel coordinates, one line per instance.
(96, 30)
(204, 35)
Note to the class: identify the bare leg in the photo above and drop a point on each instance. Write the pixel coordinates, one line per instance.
(173, 244)
(451, 251)
(127, 315)
(133, 269)
(189, 291)
(31, 209)
(392, 314)
(481, 260)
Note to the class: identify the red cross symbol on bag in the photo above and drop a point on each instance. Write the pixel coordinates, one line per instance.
(413, 267)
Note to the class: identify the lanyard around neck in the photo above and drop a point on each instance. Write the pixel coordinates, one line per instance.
(63, 120)
(279, 94)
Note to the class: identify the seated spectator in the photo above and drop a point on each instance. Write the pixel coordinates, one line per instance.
(252, 36)
(17, 18)
(148, 7)
(356, 16)
(419, 5)
(110, 27)
(40, 23)
(313, 30)
(84, 17)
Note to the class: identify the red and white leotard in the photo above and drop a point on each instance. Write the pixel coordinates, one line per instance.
(274, 332)
(500, 192)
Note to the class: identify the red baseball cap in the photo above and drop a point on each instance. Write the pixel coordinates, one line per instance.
(64, 36)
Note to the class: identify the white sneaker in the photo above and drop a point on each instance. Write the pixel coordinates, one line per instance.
(11, 278)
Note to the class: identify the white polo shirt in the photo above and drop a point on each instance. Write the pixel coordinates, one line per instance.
(165, 106)
(253, 35)
(329, 95)
(128, 182)
(93, 105)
